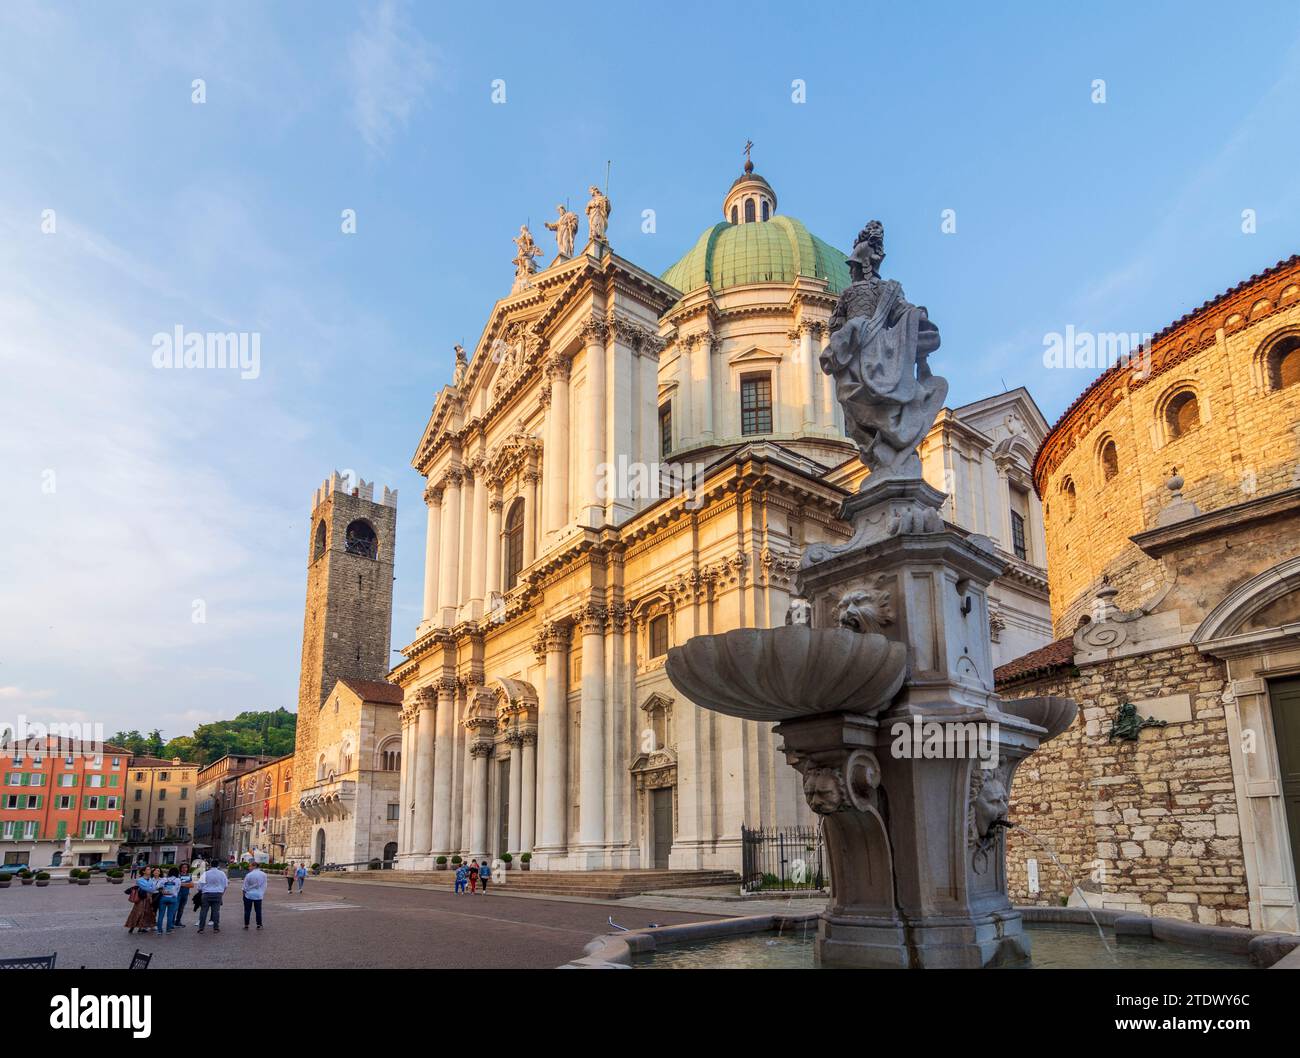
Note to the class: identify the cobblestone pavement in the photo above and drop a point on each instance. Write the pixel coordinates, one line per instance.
(330, 924)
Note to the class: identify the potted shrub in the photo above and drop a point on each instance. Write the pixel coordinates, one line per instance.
(115, 876)
(42, 879)
(506, 860)
(72, 876)
(26, 877)
(6, 880)
(83, 877)
(525, 859)
(441, 862)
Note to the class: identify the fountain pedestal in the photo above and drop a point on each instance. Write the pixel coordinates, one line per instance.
(944, 751)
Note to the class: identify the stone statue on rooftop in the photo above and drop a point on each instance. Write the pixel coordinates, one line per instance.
(598, 209)
(879, 356)
(565, 227)
(527, 250)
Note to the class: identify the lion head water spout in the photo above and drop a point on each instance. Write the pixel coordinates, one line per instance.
(882, 684)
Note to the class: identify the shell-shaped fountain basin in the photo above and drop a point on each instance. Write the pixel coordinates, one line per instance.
(1049, 711)
(787, 672)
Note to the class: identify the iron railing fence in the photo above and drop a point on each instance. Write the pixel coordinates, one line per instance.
(783, 858)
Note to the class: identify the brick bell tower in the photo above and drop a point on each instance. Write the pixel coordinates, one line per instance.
(348, 616)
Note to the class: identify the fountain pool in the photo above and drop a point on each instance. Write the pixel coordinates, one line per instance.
(1055, 947)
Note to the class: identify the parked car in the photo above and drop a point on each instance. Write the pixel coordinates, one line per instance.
(11, 869)
(102, 865)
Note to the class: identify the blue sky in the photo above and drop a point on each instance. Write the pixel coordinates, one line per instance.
(133, 492)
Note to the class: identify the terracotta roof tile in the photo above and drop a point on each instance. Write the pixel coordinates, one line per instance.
(374, 690)
(1056, 655)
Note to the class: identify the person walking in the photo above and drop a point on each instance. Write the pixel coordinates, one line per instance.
(462, 877)
(169, 889)
(142, 913)
(288, 875)
(301, 875)
(473, 877)
(485, 875)
(213, 888)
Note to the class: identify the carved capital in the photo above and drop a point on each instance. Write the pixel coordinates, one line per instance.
(433, 496)
(496, 504)
(594, 331)
(447, 686)
(453, 478)
(558, 636)
(557, 368)
(426, 697)
(480, 749)
(592, 619)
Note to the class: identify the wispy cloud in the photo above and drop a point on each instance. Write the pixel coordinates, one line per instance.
(390, 67)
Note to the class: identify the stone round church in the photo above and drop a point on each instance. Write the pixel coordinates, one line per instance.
(625, 461)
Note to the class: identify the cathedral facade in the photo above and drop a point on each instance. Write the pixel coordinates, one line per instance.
(625, 461)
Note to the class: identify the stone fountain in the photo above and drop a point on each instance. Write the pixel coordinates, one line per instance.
(881, 682)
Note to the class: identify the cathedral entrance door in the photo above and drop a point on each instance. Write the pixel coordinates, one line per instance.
(503, 819)
(661, 802)
(1285, 698)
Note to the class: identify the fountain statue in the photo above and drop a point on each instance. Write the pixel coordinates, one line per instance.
(881, 681)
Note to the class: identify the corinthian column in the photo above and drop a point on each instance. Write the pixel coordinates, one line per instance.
(448, 590)
(555, 461)
(531, 516)
(810, 372)
(516, 742)
(493, 542)
(594, 452)
(591, 747)
(444, 746)
(479, 750)
(433, 498)
(528, 793)
(554, 738)
(404, 785)
(423, 793)
(478, 538)
(830, 406)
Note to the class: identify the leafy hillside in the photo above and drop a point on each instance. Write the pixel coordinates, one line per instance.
(270, 734)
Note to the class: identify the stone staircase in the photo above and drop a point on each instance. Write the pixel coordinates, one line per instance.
(595, 885)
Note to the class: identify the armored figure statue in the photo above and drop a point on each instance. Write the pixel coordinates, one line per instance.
(879, 356)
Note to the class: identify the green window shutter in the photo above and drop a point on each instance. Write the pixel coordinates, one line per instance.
(22, 800)
(37, 798)
(112, 780)
(99, 829)
(61, 831)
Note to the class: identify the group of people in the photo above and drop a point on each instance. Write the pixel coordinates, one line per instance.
(469, 875)
(158, 900)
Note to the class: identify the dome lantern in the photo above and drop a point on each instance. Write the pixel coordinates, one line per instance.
(751, 198)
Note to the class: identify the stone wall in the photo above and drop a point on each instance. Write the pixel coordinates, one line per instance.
(1150, 824)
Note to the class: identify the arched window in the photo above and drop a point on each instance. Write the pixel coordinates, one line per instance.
(1109, 459)
(514, 543)
(1067, 492)
(735, 216)
(319, 549)
(766, 209)
(347, 759)
(659, 636)
(1182, 414)
(320, 768)
(361, 539)
(1284, 363)
(749, 211)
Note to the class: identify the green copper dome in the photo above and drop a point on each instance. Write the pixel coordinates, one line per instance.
(778, 250)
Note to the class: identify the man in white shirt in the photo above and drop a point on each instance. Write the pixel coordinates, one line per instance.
(254, 890)
(212, 887)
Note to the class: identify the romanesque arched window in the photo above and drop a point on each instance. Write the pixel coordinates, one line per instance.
(766, 209)
(1284, 363)
(1108, 455)
(361, 539)
(514, 543)
(1068, 495)
(735, 216)
(320, 767)
(749, 211)
(1182, 414)
(319, 548)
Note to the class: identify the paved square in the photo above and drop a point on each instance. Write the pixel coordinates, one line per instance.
(333, 924)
